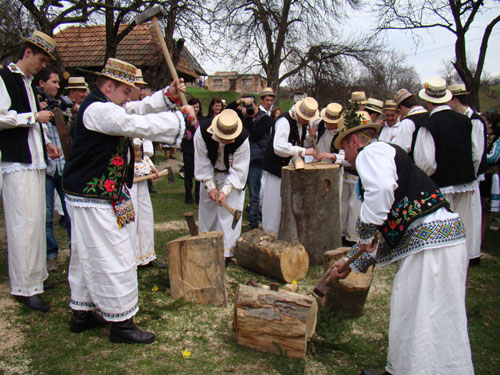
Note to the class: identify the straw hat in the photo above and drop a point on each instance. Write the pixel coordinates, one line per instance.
(359, 121)
(42, 41)
(268, 91)
(435, 91)
(119, 71)
(139, 80)
(402, 95)
(226, 125)
(390, 105)
(332, 113)
(77, 83)
(358, 97)
(457, 90)
(374, 105)
(307, 108)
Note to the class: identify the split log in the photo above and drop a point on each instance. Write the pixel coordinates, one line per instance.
(196, 268)
(261, 252)
(310, 208)
(347, 295)
(265, 319)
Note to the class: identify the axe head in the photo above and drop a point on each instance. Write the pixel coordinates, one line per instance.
(236, 218)
(145, 16)
(170, 176)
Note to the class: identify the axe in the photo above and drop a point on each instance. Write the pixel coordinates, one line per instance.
(193, 228)
(153, 14)
(236, 214)
(167, 171)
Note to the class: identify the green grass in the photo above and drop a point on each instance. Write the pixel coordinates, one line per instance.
(490, 98)
(340, 346)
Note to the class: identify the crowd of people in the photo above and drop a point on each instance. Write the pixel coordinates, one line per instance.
(424, 176)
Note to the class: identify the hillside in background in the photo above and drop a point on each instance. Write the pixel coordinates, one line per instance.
(490, 98)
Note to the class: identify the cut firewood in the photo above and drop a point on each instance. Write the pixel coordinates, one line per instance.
(261, 252)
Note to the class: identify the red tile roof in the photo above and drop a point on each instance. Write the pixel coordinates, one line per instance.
(84, 47)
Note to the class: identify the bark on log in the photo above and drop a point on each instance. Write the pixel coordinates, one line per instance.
(310, 208)
(196, 268)
(347, 295)
(261, 252)
(266, 318)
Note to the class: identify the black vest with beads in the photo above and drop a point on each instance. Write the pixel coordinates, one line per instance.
(416, 196)
(97, 166)
(272, 162)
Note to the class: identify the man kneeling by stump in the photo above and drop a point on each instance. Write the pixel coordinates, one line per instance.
(428, 324)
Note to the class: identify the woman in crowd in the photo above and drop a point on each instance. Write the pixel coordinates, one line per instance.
(276, 113)
(214, 108)
(187, 149)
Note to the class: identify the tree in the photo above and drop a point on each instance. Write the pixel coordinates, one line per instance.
(14, 23)
(280, 37)
(456, 16)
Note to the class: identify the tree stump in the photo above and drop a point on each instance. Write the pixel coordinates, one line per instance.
(265, 319)
(196, 268)
(310, 208)
(347, 295)
(261, 252)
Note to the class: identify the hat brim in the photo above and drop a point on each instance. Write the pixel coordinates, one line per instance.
(345, 133)
(326, 119)
(141, 82)
(262, 94)
(114, 79)
(298, 112)
(76, 87)
(374, 109)
(227, 137)
(460, 93)
(360, 102)
(403, 98)
(52, 57)
(444, 99)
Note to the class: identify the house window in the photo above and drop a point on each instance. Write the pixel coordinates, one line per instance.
(247, 82)
(218, 82)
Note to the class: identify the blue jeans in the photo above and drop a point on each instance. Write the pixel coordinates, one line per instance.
(253, 182)
(54, 184)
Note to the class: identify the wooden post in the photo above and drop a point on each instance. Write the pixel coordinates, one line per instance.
(261, 252)
(196, 268)
(310, 208)
(265, 318)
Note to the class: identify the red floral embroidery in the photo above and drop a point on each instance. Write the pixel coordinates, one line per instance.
(118, 161)
(109, 185)
(392, 224)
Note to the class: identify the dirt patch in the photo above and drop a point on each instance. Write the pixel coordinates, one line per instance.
(171, 225)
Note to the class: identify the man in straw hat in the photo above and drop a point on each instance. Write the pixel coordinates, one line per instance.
(444, 150)
(77, 90)
(24, 149)
(426, 336)
(221, 160)
(327, 127)
(266, 100)
(287, 137)
(358, 98)
(391, 123)
(412, 116)
(459, 104)
(374, 107)
(102, 271)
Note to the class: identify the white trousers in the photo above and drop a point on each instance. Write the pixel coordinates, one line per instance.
(102, 269)
(350, 206)
(428, 327)
(463, 204)
(141, 231)
(215, 218)
(271, 202)
(475, 245)
(23, 195)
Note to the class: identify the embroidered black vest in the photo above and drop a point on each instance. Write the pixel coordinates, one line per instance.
(418, 119)
(416, 196)
(483, 165)
(97, 166)
(452, 136)
(213, 146)
(272, 162)
(14, 142)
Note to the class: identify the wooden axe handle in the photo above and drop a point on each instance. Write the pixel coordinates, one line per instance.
(228, 208)
(150, 176)
(166, 54)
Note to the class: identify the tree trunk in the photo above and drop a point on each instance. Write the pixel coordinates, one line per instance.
(265, 319)
(262, 253)
(196, 268)
(347, 295)
(310, 208)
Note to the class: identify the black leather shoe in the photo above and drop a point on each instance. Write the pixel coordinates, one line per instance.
(48, 285)
(156, 263)
(474, 262)
(128, 332)
(33, 302)
(373, 372)
(84, 320)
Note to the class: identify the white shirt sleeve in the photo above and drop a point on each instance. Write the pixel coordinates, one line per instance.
(404, 135)
(155, 103)
(477, 143)
(10, 119)
(148, 149)
(425, 152)
(281, 145)
(203, 168)
(377, 171)
(238, 170)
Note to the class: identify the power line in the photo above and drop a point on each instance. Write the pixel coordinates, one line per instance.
(449, 45)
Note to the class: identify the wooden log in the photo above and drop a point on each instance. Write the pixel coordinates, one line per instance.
(310, 208)
(196, 268)
(261, 252)
(347, 295)
(264, 319)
